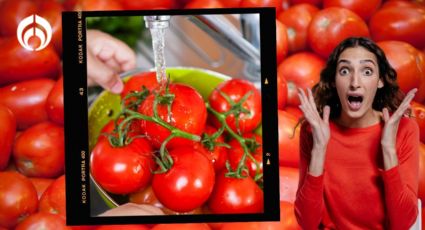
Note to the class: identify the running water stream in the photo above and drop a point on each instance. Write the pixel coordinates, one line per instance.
(158, 26)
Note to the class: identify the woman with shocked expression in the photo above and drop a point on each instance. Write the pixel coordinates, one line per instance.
(359, 151)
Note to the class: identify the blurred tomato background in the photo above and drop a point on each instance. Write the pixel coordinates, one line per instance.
(32, 188)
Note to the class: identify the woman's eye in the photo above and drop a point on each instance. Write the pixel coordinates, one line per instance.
(368, 71)
(344, 71)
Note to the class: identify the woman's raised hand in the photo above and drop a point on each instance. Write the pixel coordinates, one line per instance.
(389, 132)
(319, 125)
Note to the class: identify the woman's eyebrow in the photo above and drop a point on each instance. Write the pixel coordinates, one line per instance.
(344, 61)
(368, 60)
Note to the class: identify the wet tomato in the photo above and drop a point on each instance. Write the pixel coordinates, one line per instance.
(44, 63)
(40, 151)
(52, 12)
(331, 26)
(255, 148)
(215, 153)
(122, 170)
(18, 198)
(53, 199)
(43, 220)
(54, 103)
(186, 185)
(27, 101)
(234, 195)
(297, 19)
(136, 83)
(7, 135)
(404, 22)
(188, 113)
(236, 89)
(277, 4)
(300, 70)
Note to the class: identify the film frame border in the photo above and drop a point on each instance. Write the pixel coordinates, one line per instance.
(76, 120)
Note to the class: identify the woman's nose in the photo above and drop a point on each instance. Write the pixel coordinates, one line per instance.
(355, 81)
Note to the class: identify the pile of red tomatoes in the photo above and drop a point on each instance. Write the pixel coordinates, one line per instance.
(31, 104)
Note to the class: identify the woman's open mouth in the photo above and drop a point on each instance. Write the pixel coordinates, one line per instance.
(355, 102)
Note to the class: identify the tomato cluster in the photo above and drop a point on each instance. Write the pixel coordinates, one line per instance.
(162, 130)
(31, 94)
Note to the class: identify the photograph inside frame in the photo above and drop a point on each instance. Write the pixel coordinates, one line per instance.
(184, 128)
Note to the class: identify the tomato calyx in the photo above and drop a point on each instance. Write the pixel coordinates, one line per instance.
(236, 108)
(210, 141)
(247, 144)
(140, 96)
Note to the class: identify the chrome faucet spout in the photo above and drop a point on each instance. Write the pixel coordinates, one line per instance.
(157, 21)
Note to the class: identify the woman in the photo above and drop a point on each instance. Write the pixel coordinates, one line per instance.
(359, 152)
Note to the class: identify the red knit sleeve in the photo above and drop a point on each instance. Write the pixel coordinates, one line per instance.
(401, 181)
(309, 203)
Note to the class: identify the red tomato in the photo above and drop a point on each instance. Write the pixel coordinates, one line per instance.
(331, 26)
(52, 12)
(288, 181)
(136, 82)
(300, 70)
(297, 19)
(230, 3)
(236, 152)
(43, 220)
(235, 89)
(99, 5)
(200, 4)
(27, 100)
(119, 227)
(317, 3)
(263, 3)
(236, 196)
(181, 227)
(418, 111)
(295, 111)
(18, 198)
(282, 91)
(188, 113)
(122, 170)
(44, 63)
(54, 103)
(187, 185)
(289, 140)
(148, 4)
(53, 199)
(40, 151)
(7, 135)
(281, 41)
(287, 221)
(40, 184)
(218, 155)
(409, 65)
(421, 185)
(402, 23)
(11, 14)
(365, 9)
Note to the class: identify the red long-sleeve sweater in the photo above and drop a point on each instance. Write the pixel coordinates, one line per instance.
(354, 192)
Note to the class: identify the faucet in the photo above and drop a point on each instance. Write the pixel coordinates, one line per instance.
(157, 21)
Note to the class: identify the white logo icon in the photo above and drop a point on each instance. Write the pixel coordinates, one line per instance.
(34, 25)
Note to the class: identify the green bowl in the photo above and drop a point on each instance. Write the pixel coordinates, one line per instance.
(106, 107)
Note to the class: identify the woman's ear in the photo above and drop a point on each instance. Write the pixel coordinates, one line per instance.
(380, 83)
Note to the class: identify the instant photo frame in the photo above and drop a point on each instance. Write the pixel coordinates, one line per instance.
(83, 200)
